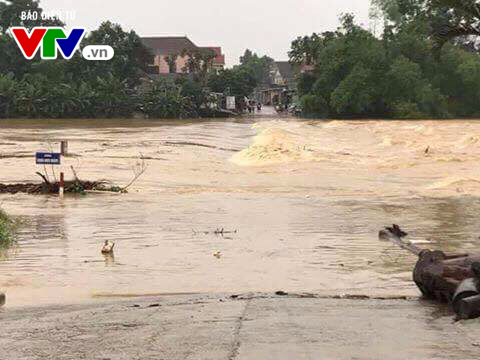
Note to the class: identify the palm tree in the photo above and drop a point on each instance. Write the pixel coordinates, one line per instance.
(305, 50)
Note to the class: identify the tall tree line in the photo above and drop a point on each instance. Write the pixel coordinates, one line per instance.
(78, 88)
(425, 63)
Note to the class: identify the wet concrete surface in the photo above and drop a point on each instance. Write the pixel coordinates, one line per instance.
(257, 326)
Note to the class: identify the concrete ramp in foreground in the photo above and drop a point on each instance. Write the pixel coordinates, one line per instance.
(257, 327)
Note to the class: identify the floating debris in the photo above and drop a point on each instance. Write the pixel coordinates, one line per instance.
(107, 248)
(218, 231)
(453, 279)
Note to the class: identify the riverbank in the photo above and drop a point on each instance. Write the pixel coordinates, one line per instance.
(254, 326)
(6, 230)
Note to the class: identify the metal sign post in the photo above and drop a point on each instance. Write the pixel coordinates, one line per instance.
(61, 185)
(63, 152)
(45, 158)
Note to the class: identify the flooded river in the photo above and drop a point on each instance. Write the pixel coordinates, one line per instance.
(306, 198)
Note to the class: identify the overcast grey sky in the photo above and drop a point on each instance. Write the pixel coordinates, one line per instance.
(265, 26)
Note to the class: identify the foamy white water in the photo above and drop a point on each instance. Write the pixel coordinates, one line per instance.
(307, 199)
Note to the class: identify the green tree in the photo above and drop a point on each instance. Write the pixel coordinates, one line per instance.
(305, 84)
(11, 15)
(197, 94)
(12, 60)
(129, 64)
(165, 100)
(349, 71)
(80, 88)
(77, 87)
(259, 66)
(354, 95)
(357, 74)
(8, 95)
(246, 57)
(409, 95)
(447, 19)
(306, 49)
(239, 81)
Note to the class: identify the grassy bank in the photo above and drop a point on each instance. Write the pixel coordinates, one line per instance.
(7, 230)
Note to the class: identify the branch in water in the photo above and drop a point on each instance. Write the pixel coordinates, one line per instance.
(45, 180)
(138, 170)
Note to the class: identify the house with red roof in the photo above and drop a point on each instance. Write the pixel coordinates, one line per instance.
(170, 54)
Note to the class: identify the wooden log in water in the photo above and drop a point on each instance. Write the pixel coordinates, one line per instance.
(436, 274)
(2, 299)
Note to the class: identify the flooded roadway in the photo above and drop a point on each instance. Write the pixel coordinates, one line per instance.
(307, 199)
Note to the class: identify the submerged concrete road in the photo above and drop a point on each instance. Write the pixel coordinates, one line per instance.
(253, 327)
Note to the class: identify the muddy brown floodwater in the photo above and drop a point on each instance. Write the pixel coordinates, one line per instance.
(306, 197)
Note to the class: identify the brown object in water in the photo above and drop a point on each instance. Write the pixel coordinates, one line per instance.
(52, 188)
(47, 187)
(107, 248)
(2, 299)
(436, 274)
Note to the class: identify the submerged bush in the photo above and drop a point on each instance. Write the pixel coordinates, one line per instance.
(7, 230)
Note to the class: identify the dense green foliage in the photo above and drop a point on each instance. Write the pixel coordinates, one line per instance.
(182, 99)
(446, 20)
(425, 64)
(78, 88)
(259, 67)
(74, 88)
(242, 79)
(238, 81)
(11, 11)
(399, 75)
(7, 230)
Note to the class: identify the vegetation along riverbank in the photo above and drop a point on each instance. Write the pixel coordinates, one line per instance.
(121, 87)
(424, 64)
(7, 230)
(412, 62)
